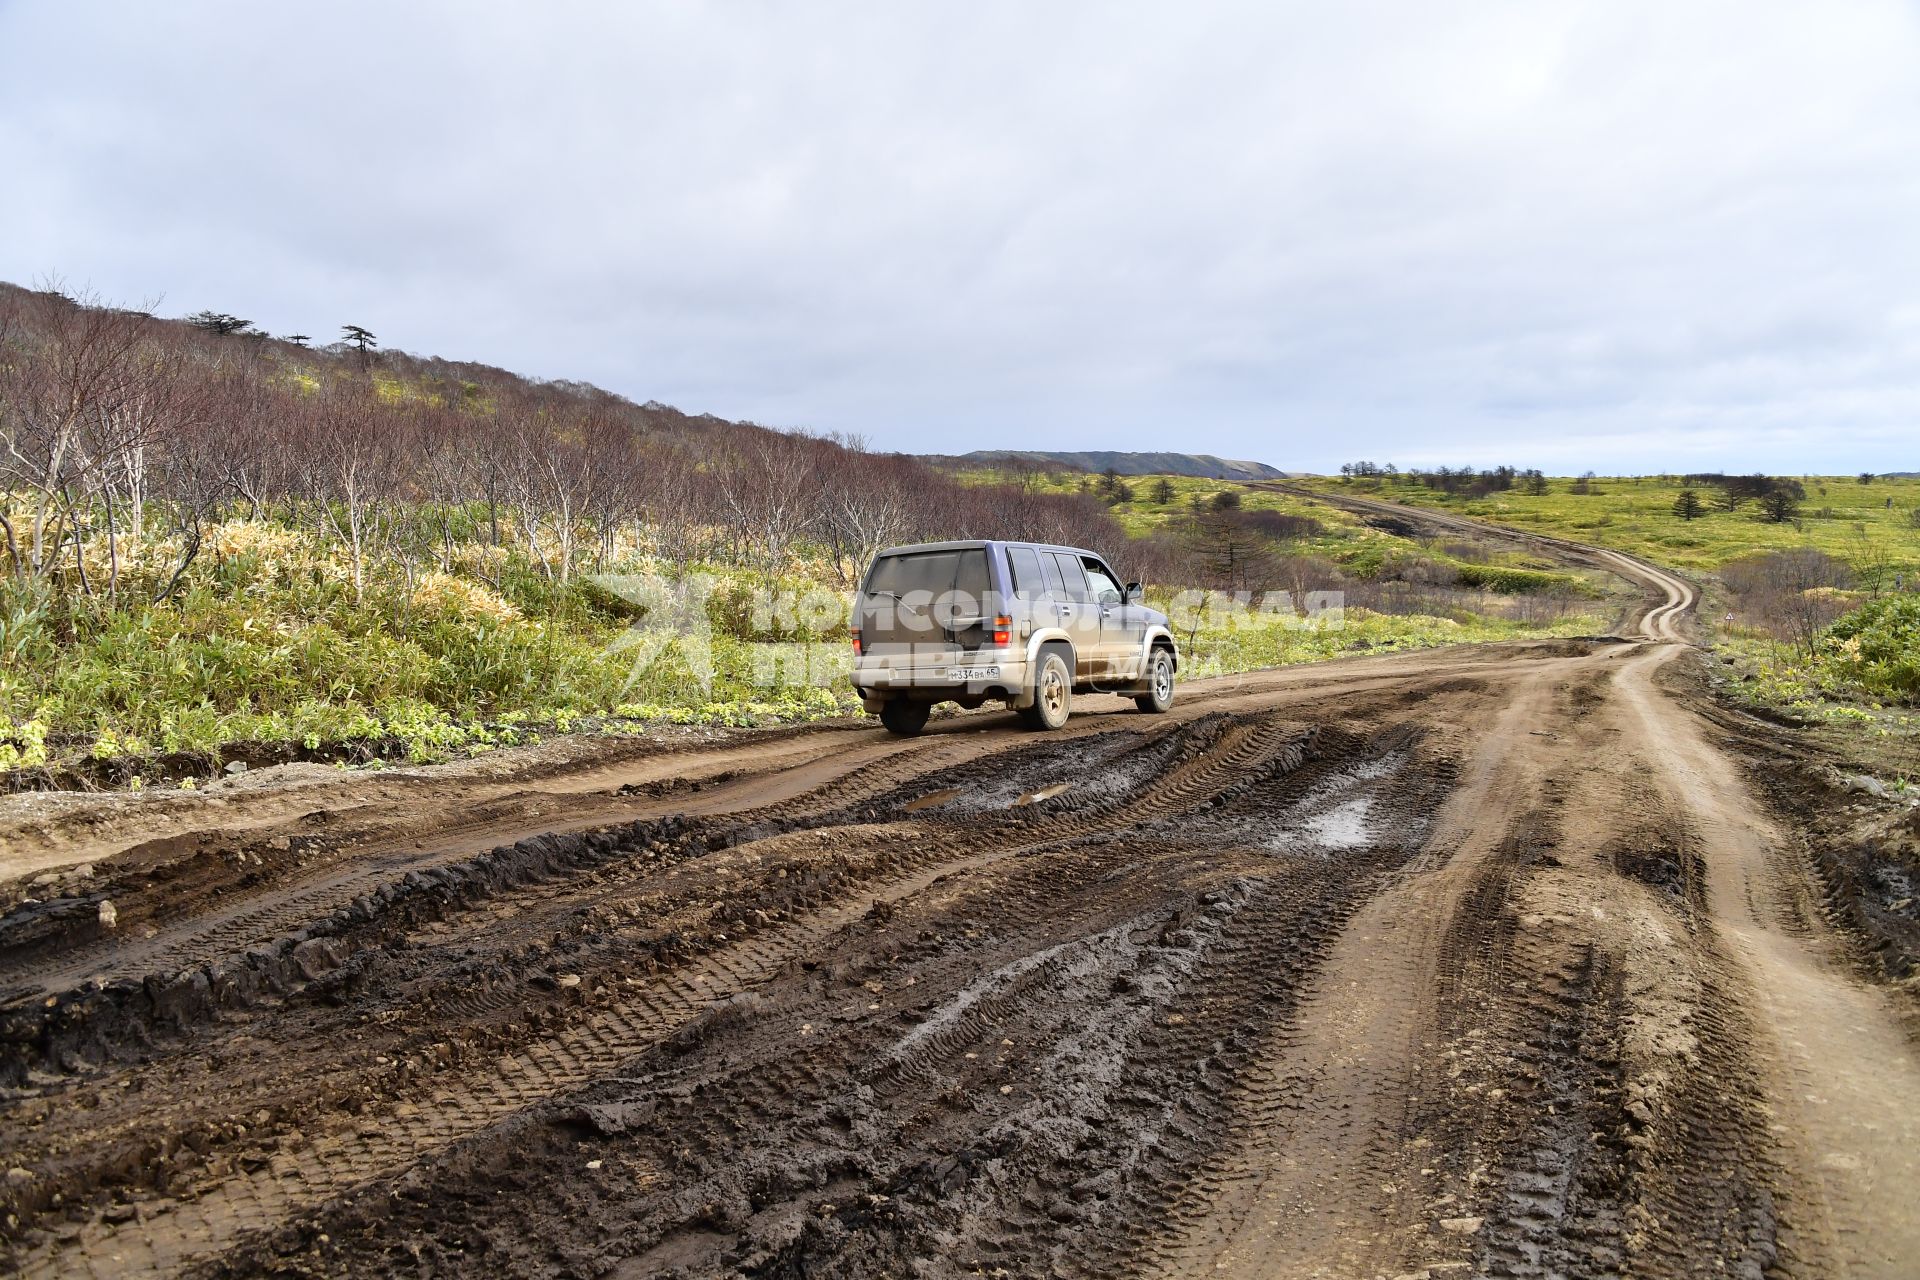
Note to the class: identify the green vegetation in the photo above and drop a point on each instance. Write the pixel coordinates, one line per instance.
(1225, 647)
(1173, 509)
(1862, 670)
(1877, 647)
(269, 642)
(1839, 516)
(1810, 580)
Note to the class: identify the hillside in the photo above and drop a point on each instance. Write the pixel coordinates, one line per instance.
(142, 429)
(1198, 465)
(218, 546)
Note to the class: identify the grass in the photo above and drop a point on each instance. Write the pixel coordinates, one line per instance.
(1342, 539)
(1861, 681)
(269, 644)
(1840, 516)
(1142, 515)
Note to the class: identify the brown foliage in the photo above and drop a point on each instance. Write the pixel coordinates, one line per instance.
(1790, 593)
(109, 416)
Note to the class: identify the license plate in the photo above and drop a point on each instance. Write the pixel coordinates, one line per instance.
(972, 673)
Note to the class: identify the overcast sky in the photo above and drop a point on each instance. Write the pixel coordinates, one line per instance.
(1620, 235)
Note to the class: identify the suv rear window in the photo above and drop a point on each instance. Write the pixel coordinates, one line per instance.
(934, 572)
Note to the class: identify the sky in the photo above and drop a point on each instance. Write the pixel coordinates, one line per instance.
(1621, 235)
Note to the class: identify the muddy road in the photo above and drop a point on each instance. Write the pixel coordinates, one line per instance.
(1509, 960)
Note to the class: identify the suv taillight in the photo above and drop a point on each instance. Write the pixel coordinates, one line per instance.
(1003, 630)
(856, 641)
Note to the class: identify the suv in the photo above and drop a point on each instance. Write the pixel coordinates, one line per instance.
(1025, 623)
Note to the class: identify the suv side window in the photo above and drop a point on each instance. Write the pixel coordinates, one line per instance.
(1074, 577)
(1027, 581)
(1050, 571)
(1105, 589)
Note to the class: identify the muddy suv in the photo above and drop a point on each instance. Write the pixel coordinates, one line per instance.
(1023, 623)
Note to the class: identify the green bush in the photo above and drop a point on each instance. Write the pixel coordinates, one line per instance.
(1878, 646)
(1512, 582)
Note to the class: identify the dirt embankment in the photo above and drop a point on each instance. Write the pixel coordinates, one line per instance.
(1473, 961)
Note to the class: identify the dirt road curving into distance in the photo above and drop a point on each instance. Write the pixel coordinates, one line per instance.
(1471, 961)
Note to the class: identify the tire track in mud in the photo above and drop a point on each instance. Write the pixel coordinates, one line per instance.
(1837, 1071)
(1597, 1073)
(1517, 1061)
(1158, 772)
(1312, 1178)
(278, 906)
(1226, 756)
(281, 889)
(1132, 1091)
(1135, 767)
(1604, 1111)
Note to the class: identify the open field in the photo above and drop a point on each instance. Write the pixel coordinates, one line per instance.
(1517, 959)
(1817, 617)
(1635, 514)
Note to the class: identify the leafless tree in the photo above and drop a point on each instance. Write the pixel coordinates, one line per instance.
(357, 460)
(69, 383)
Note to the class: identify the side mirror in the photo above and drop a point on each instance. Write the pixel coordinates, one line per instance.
(1133, 593)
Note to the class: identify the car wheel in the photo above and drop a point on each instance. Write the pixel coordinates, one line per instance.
(1052, 692)
(904, 716)
(1159, 694)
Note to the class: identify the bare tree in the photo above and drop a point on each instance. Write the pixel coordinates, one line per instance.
(357, 456)
(70, 369)
(1871, 559)
(114, 424)
(1791, 593)
(768, 488)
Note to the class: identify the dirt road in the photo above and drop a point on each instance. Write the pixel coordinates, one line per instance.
(1471, 961)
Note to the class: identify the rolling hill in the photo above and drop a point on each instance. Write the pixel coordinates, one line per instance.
(1202, 465)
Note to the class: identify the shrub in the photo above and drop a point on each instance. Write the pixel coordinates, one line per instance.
(1282, 525)
(446, 594)
(1878, 646)
(1511, 581)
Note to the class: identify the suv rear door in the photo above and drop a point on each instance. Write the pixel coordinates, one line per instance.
(922, 610)
(1037, 606)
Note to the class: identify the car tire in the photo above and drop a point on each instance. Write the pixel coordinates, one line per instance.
(905, 716)
(1052, 692)
(1159, 692)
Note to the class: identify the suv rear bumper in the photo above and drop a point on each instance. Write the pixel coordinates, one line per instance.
(970, 678)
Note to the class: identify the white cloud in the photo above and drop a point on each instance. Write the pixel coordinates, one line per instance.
(1607, 234)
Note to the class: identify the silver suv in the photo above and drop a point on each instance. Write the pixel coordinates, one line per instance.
(1020, 622)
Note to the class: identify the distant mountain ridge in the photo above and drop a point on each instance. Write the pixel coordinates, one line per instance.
(1203, 465)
